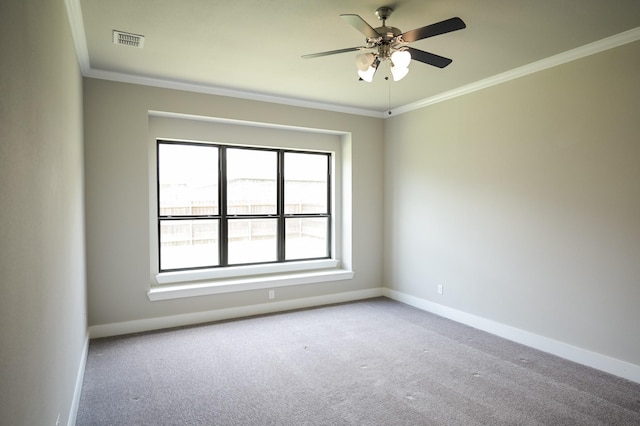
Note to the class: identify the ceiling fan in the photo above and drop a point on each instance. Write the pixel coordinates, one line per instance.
(389, 43)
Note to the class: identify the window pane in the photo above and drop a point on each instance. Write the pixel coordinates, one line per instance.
(306, 238)
(188, 243)
(251, 181)
(252, 240)
(305, 185)
(188, 180)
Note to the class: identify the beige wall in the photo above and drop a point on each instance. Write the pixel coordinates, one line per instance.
(117, 194)
(523, 200)
(42, 287)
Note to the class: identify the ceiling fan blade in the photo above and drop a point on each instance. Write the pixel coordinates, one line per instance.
(333, 52)
(429, 58)
(442, 27)
(361, 25)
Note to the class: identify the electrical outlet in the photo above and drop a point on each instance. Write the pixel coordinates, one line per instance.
(440, 289)
(272, 294)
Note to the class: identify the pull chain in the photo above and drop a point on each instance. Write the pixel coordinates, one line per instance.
(389, 85)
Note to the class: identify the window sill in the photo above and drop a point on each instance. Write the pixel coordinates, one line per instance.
(228, 280)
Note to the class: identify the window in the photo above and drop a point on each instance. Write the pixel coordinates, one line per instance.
(221, 205)
(316, 246)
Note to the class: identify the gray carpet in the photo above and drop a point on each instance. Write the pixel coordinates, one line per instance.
(373, 362)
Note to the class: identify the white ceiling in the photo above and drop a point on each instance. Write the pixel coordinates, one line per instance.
(253, 48)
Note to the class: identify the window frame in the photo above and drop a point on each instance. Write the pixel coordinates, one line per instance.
(224, 218)
(177, 126)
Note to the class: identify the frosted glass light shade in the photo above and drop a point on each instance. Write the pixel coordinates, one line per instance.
(399, 73)
(364, 61)
(401, 58)
(367, 75)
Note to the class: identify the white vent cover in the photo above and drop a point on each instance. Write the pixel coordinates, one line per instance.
(128, 39)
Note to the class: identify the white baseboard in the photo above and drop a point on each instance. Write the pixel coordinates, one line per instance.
(572, 353)
(75, 403)
(105, 330)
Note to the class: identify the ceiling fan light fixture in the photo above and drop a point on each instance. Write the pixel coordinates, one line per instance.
(364, 61)
(401, 58)
(367, 75)
(399, 73)
(370, 72)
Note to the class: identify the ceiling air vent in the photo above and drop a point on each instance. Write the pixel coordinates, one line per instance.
(128, 39)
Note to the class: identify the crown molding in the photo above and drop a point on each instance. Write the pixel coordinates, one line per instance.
(76, 23)
(74, 14)
(221, 91)
(543, 64)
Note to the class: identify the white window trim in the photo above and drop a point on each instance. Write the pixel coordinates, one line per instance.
(180, 284)
(245, 278)
(239, 271)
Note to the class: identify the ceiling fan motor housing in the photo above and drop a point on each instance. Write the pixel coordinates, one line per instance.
(387, 42)
(388, 33)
